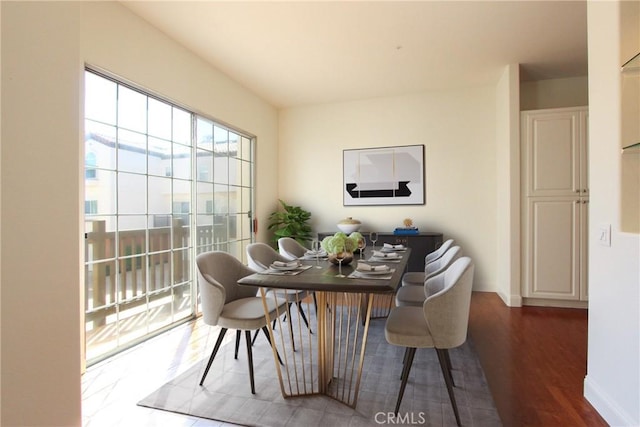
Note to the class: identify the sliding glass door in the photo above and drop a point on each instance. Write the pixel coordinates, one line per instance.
(162, 184)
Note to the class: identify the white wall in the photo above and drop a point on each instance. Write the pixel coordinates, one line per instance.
(612, 384)
(554, 93)
(44, 47)
(458, 130)
(40, 214)
(508, 186)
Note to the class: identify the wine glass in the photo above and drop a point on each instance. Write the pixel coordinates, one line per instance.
(315, 245)
(362, 243)
(374, 238)
(340, 256)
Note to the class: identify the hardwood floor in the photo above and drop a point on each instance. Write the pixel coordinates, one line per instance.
(535, 362)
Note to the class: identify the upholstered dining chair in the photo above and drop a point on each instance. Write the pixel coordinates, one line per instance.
(409, 294)
(290, 248)
(417, 277)
(259, 257)
(441, 323)
(229, 305)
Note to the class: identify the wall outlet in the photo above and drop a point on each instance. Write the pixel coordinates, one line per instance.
(604, 234)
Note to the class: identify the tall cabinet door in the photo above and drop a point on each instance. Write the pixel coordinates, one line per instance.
(555, 155)
(553, 267)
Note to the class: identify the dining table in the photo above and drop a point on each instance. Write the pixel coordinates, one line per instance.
(327, 357)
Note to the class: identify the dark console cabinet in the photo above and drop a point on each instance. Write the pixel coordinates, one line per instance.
(421, 244)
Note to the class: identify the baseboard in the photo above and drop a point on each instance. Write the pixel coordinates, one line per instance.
(608, 409)
(510, 300)
(542, 302)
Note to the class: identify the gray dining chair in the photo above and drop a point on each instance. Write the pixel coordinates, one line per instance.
(229, 305)
(290, 248)
(410, 294)
(441, 323)
(259, 257)
(417, 278)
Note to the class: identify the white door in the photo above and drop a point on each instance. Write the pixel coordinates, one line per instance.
(555, 159)
(553, 267)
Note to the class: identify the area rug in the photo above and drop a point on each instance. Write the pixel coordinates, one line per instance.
(226, 394)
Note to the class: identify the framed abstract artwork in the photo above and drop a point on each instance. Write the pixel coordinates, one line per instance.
(384, 176)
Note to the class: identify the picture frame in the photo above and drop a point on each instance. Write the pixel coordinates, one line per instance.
(384, 176)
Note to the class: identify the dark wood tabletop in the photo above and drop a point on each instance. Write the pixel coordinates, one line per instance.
(316, 279)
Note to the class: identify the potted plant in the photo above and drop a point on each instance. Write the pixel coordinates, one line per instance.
(291, 221)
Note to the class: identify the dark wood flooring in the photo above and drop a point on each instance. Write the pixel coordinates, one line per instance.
(535, 362)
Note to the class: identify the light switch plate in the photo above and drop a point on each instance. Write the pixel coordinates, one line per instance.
(604, 234)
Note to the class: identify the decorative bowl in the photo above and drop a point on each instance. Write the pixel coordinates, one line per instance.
(349, 225)
(345, 261)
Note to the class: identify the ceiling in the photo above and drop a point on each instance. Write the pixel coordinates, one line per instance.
(304, 52)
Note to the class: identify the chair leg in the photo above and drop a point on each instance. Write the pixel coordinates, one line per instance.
(250, 356)
(449, 367)
(315, 303)
(213, 353)
(447, 379)
(235, 356)
(304, 318)
(405, 376)
(266, 334)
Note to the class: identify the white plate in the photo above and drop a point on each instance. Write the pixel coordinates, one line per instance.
(284, 267)
(374, 272)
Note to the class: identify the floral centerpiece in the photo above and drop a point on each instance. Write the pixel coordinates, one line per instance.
(339, 243)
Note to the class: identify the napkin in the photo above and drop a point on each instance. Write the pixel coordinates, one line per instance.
(320, 253)
(367, 267)
(390, 246)
(285, 264)
(390, 255)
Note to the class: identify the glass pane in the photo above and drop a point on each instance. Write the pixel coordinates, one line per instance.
(159, 119)
(221, 138)
(159, 158)
(181, 264)
(100, 99)
(234, 140)
(181, 126)
(181, 237)
(204, 165)
(245, 179)
(181, 161)
(182, 301)
(204, 198)
(132, 151)
(160, 200)
(245, 149)
(236, 224)
(221, 169)
(204, 233)
(159, 271)
(132, 110)
(221, 199)
(132, 193)
(100, 285)
(245, 205)
(204, 134)
(132, 273)
(220, 228)
(235, 170)
(99, 243)
(100, 142)
(102, 191)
